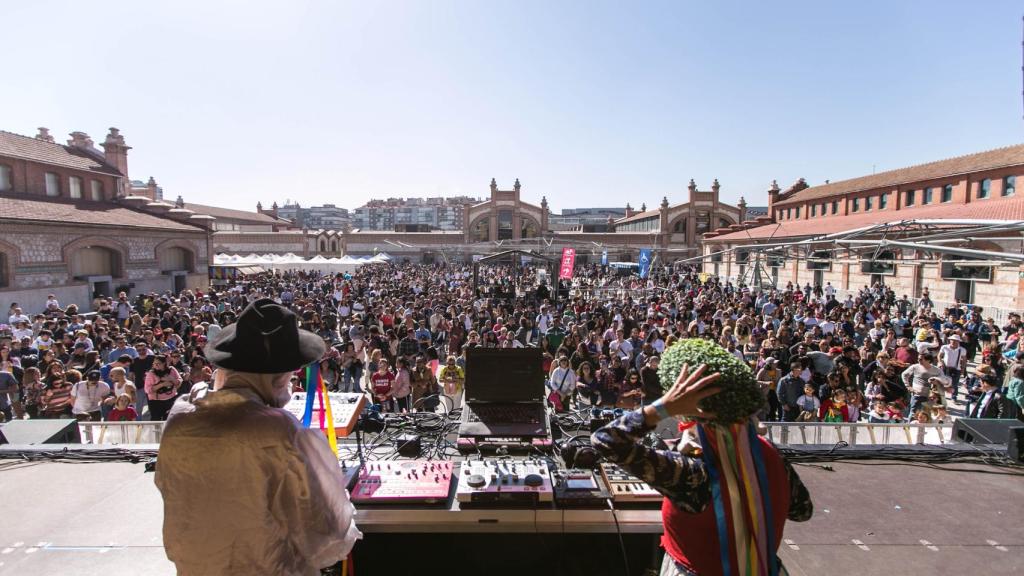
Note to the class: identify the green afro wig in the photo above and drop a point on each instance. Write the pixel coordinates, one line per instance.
(740, 395)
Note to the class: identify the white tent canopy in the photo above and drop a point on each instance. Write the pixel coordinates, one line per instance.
(292, 262)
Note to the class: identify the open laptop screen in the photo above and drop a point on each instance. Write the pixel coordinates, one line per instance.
(504, 375)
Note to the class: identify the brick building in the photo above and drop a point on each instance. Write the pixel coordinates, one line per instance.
(969, 192)
(503, 220)
(66, 229)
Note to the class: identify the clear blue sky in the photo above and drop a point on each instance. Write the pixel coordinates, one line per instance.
(589, 103)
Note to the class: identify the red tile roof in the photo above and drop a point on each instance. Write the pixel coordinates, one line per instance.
(992, 209)
(35, 150)
(232, 214)
(998, 158)
(61, 211)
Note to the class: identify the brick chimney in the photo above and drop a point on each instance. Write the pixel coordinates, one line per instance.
(742, 205)
(773, 197)
(151, 188)
(259, 207)
(81, 141)
(116, 153)
(629, 210)
(44, 135)
(273, 208)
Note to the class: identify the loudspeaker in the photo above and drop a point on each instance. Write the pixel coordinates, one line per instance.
(40, 432)
(984, 430)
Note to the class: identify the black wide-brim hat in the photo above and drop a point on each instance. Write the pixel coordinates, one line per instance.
(266, 339)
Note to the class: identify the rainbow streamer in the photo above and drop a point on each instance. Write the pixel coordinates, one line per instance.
(325, 408)
(312, 376)
(314, 381)
(740, 499)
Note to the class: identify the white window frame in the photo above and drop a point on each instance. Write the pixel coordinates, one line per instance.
(52, 184)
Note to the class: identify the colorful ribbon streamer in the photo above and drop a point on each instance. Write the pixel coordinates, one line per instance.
(316, 387)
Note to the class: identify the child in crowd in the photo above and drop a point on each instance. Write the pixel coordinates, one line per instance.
(402, 388)
(879, 413)
(937, 406)
(123, 411)
(854, 404)
(834, 409)
(381, 382)
(809, 405)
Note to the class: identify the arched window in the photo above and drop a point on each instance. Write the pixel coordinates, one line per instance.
(323, 246)
(176, 259)
(723, 223)
(679, 227)
(95, 261)
(481, 231)
(334, 245)
(528, 229)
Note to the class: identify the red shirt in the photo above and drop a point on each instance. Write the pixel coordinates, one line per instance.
(382, 383)
(126, 415)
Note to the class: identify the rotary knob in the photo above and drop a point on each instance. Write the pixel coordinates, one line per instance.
(476, 481)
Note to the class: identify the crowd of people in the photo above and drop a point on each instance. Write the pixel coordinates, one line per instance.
(400, 333)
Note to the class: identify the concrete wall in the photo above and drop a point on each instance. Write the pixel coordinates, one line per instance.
(33, 301)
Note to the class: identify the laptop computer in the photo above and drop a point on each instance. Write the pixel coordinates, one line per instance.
(504, 394)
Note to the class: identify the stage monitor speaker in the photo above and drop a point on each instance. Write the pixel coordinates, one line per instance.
(40, 432)
(983, 430)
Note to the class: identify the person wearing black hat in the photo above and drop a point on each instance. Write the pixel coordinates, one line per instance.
(272, 497)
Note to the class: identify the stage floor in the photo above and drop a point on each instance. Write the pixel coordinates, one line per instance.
(105, 519)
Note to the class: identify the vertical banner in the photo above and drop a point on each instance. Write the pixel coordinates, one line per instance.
(645, 262)
(604, 258)
(568, 261)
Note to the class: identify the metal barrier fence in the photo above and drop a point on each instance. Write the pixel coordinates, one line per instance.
(854, 433)
(113, 433)
(791, 433)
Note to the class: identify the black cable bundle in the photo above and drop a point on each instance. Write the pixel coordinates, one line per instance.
(916, 455)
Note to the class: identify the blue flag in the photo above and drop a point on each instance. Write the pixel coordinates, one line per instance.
(645, 262)
(604, 258)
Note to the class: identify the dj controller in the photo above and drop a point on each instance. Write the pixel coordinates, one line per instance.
(403, 482)
(512, 482)
(406, 461)
(495, 483)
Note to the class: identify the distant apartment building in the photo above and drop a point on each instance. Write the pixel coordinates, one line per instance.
(326, 217)
(436, 212)
(585, 218)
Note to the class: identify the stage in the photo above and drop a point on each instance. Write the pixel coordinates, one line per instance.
(870, 518)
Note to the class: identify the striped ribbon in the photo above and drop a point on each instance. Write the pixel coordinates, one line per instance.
(739, 490)
(315, 382)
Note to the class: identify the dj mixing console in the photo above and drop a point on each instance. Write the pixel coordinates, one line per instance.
(403, 482)
(504, 482)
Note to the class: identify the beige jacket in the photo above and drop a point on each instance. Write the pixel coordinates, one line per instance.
(248, 490)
